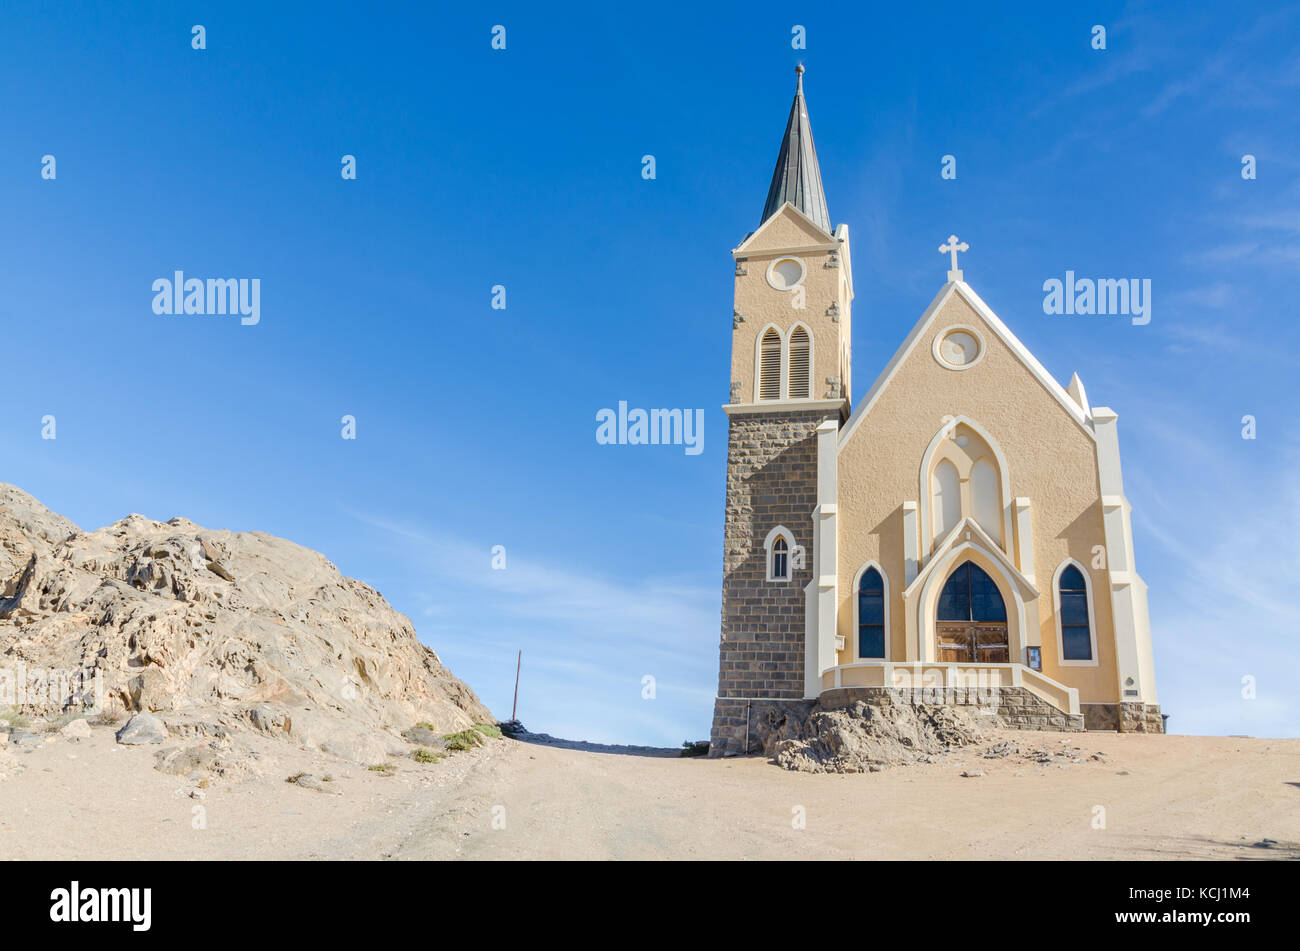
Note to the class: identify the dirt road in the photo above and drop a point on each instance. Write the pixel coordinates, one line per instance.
(1129, 796)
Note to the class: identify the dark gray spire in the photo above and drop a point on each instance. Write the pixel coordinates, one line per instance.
(797, 178)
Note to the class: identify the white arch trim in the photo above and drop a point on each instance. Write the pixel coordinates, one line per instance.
(922, 594)
(779, 532)
(884, 585)
(1056, 612)
(926, 496)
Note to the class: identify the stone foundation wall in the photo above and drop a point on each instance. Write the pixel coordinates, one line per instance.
(740, 725)
(1123, 717)
(1100, 716)
(1140, 718)
(1014, 708)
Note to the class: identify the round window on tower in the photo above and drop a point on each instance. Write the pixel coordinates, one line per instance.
(785, 273)
(959, 348)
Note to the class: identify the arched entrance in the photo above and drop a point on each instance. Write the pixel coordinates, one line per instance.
(971, 621)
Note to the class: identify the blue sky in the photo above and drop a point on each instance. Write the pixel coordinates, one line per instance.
(522, 167)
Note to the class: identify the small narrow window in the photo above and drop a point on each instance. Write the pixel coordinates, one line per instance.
(1076, 633)
(800, 352)
(871, 615)
(769, 371)
(780, 560)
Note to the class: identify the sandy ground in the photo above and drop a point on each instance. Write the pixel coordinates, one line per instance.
(1163, 797)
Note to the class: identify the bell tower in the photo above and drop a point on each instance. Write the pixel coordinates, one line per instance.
(790, 386)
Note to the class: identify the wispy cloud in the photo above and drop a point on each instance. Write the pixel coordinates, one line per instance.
(588, 640)
(1228, 553)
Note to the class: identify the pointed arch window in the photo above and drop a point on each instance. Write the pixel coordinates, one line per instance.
(964, 475)
(800, 364)
(781, 555)
(780, 560)
(986, 498)
(947, 498)
(769, 368)
(1074, 616)
(871, 614)
(971, 595)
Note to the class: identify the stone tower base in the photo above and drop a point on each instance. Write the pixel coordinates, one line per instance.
(736, 723)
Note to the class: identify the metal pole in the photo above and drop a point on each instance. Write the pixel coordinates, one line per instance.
(745, 750)
(514, 709)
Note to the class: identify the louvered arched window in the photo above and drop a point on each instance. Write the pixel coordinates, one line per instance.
(800, 355)
(769, 369)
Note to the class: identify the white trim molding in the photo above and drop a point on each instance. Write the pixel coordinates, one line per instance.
(911, 553)
(1024, 537)
(1130, 618)
(821, 604)
(740, 409)
(1056, 611)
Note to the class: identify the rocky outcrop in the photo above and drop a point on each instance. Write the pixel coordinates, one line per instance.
(863, 737)
(26, 527)
(239, 628)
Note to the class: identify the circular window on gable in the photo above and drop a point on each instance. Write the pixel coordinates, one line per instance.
(959, 348)
(785, 273)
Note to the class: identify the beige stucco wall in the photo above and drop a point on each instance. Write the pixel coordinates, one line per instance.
(1051, 459)
(762, 305)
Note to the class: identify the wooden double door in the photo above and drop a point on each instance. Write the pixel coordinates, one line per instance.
(971, 621)
(973, 643)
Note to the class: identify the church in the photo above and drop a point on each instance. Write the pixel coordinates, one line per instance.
(960, 534)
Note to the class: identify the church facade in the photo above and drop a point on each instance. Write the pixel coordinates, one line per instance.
(961, 534)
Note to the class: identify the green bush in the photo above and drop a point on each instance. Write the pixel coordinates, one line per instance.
(464, 740)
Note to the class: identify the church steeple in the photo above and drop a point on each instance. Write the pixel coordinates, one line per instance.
(797, 178)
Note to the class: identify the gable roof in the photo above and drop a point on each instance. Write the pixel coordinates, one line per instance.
(818, 239)
(797, 178)
(1030, 362)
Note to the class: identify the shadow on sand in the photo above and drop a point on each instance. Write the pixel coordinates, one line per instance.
(544, 739)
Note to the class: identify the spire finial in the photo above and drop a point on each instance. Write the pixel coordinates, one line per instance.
(798, 71)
